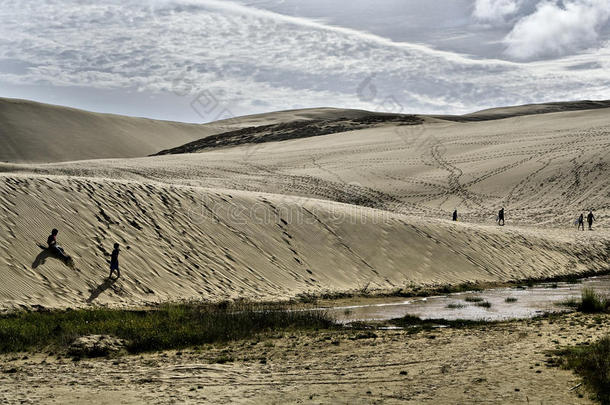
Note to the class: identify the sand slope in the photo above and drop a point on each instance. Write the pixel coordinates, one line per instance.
(182, 242)
(35, 132)
(367, 207)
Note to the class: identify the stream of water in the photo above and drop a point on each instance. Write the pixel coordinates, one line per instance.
(506, 303)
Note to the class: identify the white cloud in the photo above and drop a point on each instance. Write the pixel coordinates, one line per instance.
(244, 55)
(495, 10)
(558, 28)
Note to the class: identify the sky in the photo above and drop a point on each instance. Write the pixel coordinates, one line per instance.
(202, 60)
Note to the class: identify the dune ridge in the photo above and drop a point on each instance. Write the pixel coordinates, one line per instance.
(36, 132)
(334, 212)
(192, 243)
(33, 132)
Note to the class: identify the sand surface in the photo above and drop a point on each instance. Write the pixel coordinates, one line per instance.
(37, 132)
(494, 364)
(269, 220)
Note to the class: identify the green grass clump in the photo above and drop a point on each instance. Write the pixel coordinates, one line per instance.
(510, 300)
(473, 299)
(410, 321)
(171, 326)
(484, 304)
(592, 362)
(455, 306)
(592, 302)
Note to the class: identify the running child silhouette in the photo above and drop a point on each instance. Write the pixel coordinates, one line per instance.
(114, 262)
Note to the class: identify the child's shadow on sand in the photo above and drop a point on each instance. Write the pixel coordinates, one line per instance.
(45, 254)
(42, 257)
(95, 292)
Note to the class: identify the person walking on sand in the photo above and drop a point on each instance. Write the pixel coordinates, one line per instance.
(455, 215)
(114, 262)
(590, 219)
(501, 216)
(581, 222)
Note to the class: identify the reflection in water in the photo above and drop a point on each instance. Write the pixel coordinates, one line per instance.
(506, 303)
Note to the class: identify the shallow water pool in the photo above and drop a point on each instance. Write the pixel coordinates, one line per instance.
(523, 302)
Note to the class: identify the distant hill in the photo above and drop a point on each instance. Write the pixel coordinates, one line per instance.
(527, 109)
(35, 132)
(285, 125)
(318, 125)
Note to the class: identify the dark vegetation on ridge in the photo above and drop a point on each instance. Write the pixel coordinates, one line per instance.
(292, 130)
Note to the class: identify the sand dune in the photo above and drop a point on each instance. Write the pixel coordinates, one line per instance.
(365, 207)
(35, 132)
(182, 242)
(530, 109)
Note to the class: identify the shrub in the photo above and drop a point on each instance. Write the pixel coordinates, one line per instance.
(592, 363)
(592, 302)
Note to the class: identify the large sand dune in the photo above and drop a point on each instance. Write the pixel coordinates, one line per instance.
(341, 211)
(35, 132)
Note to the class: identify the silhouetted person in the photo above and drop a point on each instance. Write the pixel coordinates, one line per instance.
(114, 261)
(455, 215)
(581, 222)
(590, 219)
(53, 247)
(501, 216)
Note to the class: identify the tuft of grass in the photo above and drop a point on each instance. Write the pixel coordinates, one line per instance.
(410, 321)
(473, 299)
(484, 304)
(455, 306)
(170, 326)
(592, 302)
(510, 300)
(592, 363)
